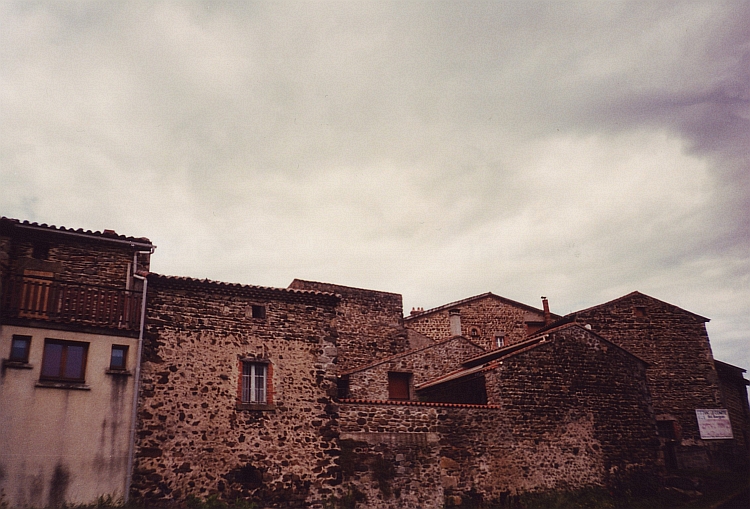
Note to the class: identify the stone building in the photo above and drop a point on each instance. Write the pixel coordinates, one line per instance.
(562, 409)
(489, 320)
(238, 387)
(70, 319)
(682, 375)
(298, 396)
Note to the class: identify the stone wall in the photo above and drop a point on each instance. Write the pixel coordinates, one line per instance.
(577, 381)
(570, 412)
(369, 323)
(481, 319)
(371, 381)
(734, 395)
(681, 374)
(194, 438)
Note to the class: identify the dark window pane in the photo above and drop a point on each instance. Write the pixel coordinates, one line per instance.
(19, 349)
(117, 360)
(74, 362)
(52, 360)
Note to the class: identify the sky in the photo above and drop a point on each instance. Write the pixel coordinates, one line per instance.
(440, 150)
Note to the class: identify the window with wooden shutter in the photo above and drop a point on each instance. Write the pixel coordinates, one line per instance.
(398, 385)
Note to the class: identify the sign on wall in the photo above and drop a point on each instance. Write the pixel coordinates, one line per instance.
(714, 424)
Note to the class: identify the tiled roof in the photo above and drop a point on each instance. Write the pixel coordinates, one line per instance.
(407, 352)
(489, 360)
(413, 403)
(459, 303)
(106, 235)
(241, 289)
(492, 359)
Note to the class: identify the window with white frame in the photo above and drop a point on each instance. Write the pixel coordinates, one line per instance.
(254, 382)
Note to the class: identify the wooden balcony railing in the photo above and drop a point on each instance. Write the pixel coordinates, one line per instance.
(39, 298)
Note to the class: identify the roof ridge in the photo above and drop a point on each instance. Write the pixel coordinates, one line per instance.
(470, 299)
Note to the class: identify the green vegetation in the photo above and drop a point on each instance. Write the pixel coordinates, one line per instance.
(689, 490)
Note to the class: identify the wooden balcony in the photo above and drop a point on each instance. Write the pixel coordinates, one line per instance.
(27, 299)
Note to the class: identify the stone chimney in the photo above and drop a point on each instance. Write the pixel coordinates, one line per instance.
(547, 314)
(454, 316)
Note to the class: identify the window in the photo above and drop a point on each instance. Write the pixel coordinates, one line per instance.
(499, 340)
(19, 348)
(474, 333)
(118, 358)
(342, 386)
(64, 361)
(254, 383)
(640, 311)
(398, 385)
(259, 311)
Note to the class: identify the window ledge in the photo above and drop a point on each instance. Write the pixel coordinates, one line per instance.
(7, 363)
(118, 372)
(47, 384)
(256, 406)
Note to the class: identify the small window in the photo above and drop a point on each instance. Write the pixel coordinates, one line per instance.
(474, 333)
(118, 358)
(254, 383)
(499, 340)
(342, 386)
(64, 361)
(398, 385)
(259, 311)
(640, 311)
(19, 348)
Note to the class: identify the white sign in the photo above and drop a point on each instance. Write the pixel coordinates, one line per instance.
(714, 424)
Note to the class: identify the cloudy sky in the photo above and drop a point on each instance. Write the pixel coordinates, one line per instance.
(577, 150)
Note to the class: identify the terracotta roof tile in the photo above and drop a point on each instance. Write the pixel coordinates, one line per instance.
(414, 403)
(105, 235)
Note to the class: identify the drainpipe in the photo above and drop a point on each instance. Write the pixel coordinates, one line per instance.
(137, 383)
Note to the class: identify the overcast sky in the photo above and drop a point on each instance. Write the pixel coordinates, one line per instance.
(577, 150)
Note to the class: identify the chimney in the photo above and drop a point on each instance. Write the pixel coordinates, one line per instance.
(547, 315)
(454, 316)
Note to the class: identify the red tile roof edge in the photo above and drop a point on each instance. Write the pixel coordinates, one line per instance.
(396, 402)
(184, 281)
(105, 235)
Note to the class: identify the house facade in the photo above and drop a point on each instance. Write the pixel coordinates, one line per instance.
(70, 317)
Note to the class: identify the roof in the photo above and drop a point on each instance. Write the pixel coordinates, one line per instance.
(305, 284)
(252, 291)
(475, 298)
(8, 224)
(413, 403)
(728, 371)
(492, 359)
(637, 294)
(406, 353)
